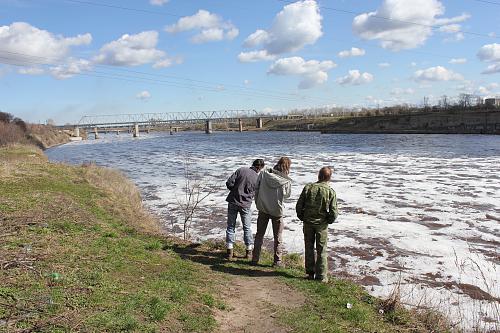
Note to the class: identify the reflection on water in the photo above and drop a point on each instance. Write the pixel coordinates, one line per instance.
(415, 205)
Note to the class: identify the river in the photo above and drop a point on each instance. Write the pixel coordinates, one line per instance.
(421, 212)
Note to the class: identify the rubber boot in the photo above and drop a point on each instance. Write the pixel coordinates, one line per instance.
(230, 254)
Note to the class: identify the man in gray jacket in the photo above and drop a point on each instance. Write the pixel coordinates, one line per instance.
(273, 186)
(241, 185)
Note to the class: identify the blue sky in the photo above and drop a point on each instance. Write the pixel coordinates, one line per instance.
(63, 59)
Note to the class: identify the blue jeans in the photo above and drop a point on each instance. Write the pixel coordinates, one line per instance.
(246, 220)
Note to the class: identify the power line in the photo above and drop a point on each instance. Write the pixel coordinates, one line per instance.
(132, 78)
(145, 11)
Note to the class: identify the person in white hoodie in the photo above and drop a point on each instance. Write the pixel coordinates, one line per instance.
(273, 186)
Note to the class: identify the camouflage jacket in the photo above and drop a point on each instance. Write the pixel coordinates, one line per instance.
(317, 204)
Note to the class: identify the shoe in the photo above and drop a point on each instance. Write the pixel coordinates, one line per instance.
(279, 264)
(249, 254)
(254, 263)
(322, 280)
(230, 254)
(310, 276)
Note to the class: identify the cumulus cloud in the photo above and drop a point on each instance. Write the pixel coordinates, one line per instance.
(438, 73)
(297, 25)
(490, 53)
(410, 23)
(71, 68)
(312, 72)
(143, 95)
(133, 50)
(353, 52)
(355, 77)
(210, 27)
(458, 61)
(22, 43)
(254, 56)
(158, 2)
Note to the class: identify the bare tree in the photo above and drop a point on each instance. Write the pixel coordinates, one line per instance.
(195, 190)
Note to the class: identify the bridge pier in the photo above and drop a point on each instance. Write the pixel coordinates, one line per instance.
(259, 123)
(240, 125)
(171, 131)
(208, 127)
(96, 134)
(136, 131)
(76, 132)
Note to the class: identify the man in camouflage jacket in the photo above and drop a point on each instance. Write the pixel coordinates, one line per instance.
(317, 208)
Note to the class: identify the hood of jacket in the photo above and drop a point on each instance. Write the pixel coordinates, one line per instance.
(274, 178)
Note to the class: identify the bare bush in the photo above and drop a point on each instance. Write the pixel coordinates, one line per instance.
(11, 133)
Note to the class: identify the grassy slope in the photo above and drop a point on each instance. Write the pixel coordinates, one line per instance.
(77, 253)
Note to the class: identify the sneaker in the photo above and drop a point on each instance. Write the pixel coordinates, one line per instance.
(310, 276)
(229, 254)
(322, 280)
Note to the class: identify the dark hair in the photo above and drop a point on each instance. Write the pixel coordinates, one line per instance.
(258, 163)
(325, 174)
(283, 165)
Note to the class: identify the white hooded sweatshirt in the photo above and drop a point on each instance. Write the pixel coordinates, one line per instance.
(272, 187)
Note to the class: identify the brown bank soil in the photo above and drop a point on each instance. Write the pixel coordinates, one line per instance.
(253, 301)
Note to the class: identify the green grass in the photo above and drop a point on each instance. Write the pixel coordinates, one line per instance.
(78, 254)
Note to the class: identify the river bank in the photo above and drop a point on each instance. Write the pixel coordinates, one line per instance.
(79, 253)
(456, 122)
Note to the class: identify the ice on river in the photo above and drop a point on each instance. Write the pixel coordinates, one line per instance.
(419, 212)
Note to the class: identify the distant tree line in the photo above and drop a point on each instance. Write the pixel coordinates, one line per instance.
(445, 104)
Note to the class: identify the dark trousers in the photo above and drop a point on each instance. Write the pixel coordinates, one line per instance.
(316, 234)
(278, 226)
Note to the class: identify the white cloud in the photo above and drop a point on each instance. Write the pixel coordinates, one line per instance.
(133, 50)
(297, 25)
(211, 27)
(353, 52)
(144, 95)
(254, 56)
(22, 43)
(489, 52)
(158, 2)
(492, 69)
(450, 28)
(31, 70)
(355, 77)
(71, 68)
(246, 82)
(457, 61)
(312, 72)
(384, 65)
(413, 64)
(437, 73)
(410, 23)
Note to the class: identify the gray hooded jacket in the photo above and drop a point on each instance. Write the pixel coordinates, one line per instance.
(272, 187)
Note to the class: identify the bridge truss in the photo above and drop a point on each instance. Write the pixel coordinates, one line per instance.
(165, 118)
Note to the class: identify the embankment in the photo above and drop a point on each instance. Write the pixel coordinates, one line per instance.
(78, 253)
(473, 122)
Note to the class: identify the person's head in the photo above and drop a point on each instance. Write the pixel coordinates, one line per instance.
(325, 174)
(258, 164)
(283, 165)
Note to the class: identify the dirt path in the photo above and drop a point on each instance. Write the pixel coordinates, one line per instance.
(252, 303)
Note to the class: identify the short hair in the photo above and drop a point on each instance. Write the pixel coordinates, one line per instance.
(258, 163)
(283, 165)
(325, 174)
